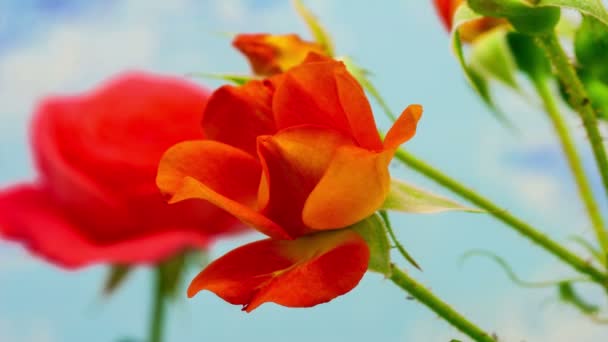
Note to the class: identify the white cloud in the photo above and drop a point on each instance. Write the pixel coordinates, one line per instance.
(65, 58)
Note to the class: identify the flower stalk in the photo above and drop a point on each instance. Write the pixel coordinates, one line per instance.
(445, 311)
(157, 316)
(580, 101)
(574, 162)
(503, 215)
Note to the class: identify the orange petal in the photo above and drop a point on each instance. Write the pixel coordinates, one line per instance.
(299, 273)
(404, 128)
(358, 110)
(354, 187)
(325, 94)
(272, 54)
(237, 115)
(293, 161)
(221, 174)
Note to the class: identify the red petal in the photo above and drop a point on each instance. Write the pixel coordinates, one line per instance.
(294, 160)
(218, 173)
(237, 115)
(445, 9)
(404, 128)
(115, 135)
(325, 94)
(299, 273)
(354, 186)
(30, 215)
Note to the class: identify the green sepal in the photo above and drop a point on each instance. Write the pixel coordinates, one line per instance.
(523, 15)
(477, 81)
(529, 57)
(116, 277)
(492, 56)
(372, 230)
(407, 198)
(319, 33)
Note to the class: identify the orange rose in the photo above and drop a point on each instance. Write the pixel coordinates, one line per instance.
(304, 148)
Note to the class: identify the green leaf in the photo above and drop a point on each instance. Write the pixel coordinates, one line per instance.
(318, 31)
(568, 295)
(491, 55)
(116, 277)
(410, 199)
(594, 8)
(479, 84)
(373, 232)
(234, 79)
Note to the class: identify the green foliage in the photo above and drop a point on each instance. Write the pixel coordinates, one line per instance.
(594, 8)
(374, 233)
(410, 199)
(524, 16)
(529, 57)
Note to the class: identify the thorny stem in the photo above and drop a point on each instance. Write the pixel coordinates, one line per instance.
(445, 311)
(580, 100)
(520, 226)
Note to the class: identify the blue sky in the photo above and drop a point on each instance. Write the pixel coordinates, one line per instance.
(69, 46)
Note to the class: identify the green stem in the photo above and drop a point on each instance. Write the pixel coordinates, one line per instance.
(426, 297)
(574, 161)
(580, 100)
(522, 227)
(158, 308)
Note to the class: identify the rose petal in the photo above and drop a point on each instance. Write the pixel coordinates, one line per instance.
(237, 115)
(293, 161)
(358, 110)
(404, 128)
(30, 215)
(325, 94)
(299, 273)
(354, 186)
(272, 54)
(218, 173)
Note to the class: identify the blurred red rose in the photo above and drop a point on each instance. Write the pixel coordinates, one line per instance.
(97, 154)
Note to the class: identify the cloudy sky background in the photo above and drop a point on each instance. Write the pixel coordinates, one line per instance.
(60, 46)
